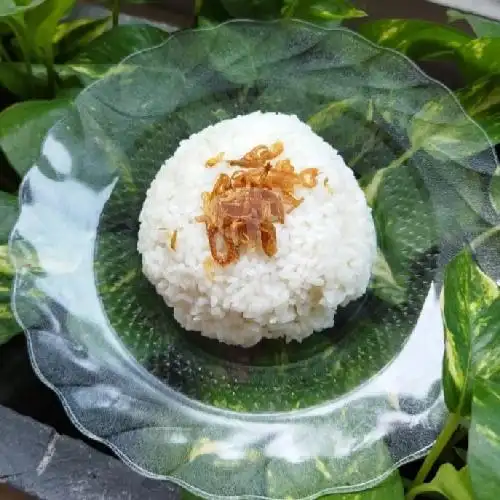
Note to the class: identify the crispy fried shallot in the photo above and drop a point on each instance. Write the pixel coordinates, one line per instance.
(243, 208)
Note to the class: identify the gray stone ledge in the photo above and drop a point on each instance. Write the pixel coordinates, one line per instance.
(37, 460)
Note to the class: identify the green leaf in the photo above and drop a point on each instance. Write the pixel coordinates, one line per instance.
(8, 215)
(326, 11)
(42, 22)
(390, 489)
(14, 78)
(484, 439)
(120, 42)
(444, 131)
(481, 25)
(449, 482)
(23, 127)
(112, 47)
(328, 115)
(481, 101)
(484, 433)
(384, 284)
(405, 227)
(467, 292)
(480, 57)
(8, 211)
(73, 36)
(253, 9)
(11, 8)
(417, 39)
(486, 352)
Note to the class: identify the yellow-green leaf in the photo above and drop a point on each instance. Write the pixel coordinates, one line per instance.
(415, 38)
(467, 292)
(75, 35)
(445, 131)
(8, 214)
(42, 23)
(480, 57)
(484, 433)
(326, 11)
(484, 439)
(384, 284)
(449, 482)
(481, 101)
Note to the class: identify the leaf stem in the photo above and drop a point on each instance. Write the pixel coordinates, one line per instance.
(401, 159)
(479, 240)
(372, 188)
(116, 13)
(451, 425)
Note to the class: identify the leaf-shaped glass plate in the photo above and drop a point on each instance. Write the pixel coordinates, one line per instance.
(338, 412)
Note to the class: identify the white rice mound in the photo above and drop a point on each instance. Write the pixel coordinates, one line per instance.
(326, 247)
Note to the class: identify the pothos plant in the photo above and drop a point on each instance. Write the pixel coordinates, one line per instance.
(46, 59)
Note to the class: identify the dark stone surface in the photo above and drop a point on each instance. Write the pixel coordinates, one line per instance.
(50, 466)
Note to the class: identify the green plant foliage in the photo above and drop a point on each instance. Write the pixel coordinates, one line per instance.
(466, 295)
(384, 283)
(325, 11)
(417, 39)
(390, 489)
(484, 434)
(449, 483)
(119, 43)
(104, 53)
(481, 100)
(8, 211)
(71, 37)
(23, 127)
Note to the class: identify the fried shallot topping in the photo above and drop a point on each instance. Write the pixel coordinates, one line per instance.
(243, 208)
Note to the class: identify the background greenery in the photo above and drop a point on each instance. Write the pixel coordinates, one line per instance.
(46, 59)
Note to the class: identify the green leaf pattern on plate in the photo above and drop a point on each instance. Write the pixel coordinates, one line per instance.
(405, 228)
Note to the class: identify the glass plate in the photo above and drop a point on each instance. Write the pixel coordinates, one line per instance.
(337, 412)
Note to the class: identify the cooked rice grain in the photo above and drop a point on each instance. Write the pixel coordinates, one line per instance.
(325, 248)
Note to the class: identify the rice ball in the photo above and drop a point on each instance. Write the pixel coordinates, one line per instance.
(324, 247)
